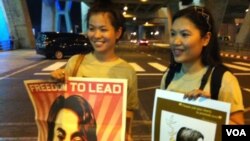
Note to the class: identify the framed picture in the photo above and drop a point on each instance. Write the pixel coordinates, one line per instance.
(178, 119)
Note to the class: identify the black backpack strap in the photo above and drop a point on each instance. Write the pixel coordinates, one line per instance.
(170, 76)
(216, 80)
(205, 78)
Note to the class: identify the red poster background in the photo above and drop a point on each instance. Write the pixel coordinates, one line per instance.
(106, 97)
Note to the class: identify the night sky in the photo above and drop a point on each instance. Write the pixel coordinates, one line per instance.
(35, 10)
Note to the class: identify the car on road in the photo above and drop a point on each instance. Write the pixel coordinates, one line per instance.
(143, 42)
(58, 45)
(133, 41)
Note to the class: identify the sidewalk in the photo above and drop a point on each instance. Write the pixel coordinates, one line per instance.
(16, 59)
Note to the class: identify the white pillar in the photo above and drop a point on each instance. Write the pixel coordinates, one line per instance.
(141, 32)
(165, 19)
(19, 22)
(244, 33)
(59, 11)
(218, 9)
(84, 11)
(4, 28)
(48, 17)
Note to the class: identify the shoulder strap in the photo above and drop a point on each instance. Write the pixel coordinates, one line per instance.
(216, 80)
(77, 65)
(205, 78)
(170, 76)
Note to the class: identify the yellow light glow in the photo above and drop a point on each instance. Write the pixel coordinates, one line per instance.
(125, 8)
(128, 15)
(148, 24)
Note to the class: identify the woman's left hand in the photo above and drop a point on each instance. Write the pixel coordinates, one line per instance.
(194, 94)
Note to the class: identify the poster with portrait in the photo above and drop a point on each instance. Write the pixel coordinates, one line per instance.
(83, 109)
(179, 119)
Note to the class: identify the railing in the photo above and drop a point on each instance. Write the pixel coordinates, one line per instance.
(6, 45)
(241, 48)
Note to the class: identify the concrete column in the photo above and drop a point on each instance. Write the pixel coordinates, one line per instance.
(141, 32)
(84, 11)
(19, 23)
(217, 9)
(164, 18)
(48, 16)
(4, 29)
(166, 31)
(168, 23)
(173, 6)
(244, 34)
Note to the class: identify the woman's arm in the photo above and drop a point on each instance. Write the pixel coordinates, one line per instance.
(129, 119)
(132, 103)
(237, 118)
(230, 92)
(63, 74)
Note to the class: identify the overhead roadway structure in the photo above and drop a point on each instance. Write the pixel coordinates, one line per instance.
(156, 12)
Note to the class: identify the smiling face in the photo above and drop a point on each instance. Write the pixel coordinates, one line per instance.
(66, 127)
(101, 32)
(186, 41)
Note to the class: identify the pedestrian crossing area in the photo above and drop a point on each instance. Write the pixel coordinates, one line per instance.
(137, 67)
(241, 66)
(158, 68)
(153, 68)
(54, 66)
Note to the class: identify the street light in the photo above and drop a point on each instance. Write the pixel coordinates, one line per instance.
(125, 8)
(157, 32)
(134, 18)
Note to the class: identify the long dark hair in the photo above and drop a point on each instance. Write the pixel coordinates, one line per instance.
(81, 107)
(114, 13)
(203, 20)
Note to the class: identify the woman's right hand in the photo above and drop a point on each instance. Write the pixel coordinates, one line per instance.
(58, 74)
